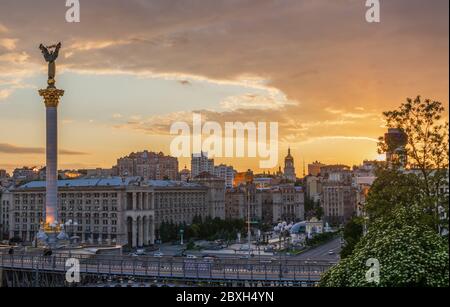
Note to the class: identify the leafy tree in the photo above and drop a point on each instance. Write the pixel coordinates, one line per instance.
(392, 189)
(410, 255)
(427, 151)
(352, 233)
(312, 209)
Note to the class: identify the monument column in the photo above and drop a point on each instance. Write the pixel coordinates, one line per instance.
(51, 96)
(51, 99)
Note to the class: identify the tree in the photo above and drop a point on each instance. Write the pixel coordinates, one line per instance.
(392, 189)
(427, 151)
(352, 233)
(410, 255)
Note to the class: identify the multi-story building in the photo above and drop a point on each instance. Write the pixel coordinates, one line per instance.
(148, 165)
(288, 203)
(179, 202)
(242, 201)
(313, 187)
(114, 211)
(326, 171)
(243, 178)
(339, 197)
(226, 173)
(5, 203)
(314, 168)
(216, 194)
(25, 174)
(201, 163)
(268, 205)
(124, 211)
(98, 172)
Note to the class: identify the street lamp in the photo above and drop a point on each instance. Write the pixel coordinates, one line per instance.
(181, 234)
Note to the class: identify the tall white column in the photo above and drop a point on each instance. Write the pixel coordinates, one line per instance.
(51, 97)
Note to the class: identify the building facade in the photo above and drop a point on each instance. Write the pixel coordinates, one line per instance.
(339, 198)
(5, 204)
(216, 194)
(97, 211)
(226, 173)
(268, 205)
(148, 165)
(314, 169)
(200, 163)
(179, 202)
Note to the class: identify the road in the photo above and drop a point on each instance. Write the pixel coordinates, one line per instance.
(319, 253)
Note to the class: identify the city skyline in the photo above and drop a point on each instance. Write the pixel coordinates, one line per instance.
(127, 83)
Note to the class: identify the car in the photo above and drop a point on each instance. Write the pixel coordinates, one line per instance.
(268, 249)
(208, 259)
(158, 255)
(140, 252)
(331, 252)
(191, 257)
(209, 256)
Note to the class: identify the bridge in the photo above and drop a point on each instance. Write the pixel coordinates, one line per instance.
(25, 270)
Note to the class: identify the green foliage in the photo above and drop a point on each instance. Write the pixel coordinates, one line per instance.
(313, 209)
(321, 238)
(191, 245)
(410, 254)
(402, 206)
(352, 232)
(392, 189)
(427, 152)
(209, 229)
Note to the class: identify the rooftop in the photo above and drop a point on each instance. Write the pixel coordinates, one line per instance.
(107, 182)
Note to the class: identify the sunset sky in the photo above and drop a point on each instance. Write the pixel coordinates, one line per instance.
(131, 68)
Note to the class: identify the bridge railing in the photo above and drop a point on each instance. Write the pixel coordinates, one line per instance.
(168, 267)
